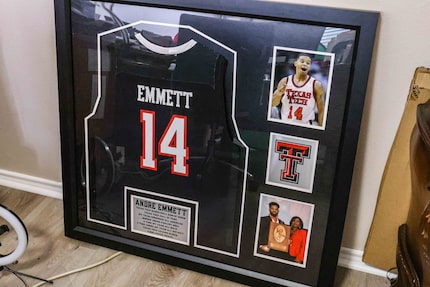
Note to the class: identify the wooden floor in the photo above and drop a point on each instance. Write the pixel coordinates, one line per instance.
(50, 253)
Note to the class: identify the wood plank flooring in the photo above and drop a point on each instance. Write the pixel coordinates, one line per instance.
(50, 253)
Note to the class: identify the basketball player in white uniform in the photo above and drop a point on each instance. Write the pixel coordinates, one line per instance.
(299, 94)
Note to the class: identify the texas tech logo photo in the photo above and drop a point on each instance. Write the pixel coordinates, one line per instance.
(291, 162)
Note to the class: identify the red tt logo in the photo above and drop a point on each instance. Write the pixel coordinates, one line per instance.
(292, 154)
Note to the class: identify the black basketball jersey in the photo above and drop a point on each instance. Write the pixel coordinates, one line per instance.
(170, 131)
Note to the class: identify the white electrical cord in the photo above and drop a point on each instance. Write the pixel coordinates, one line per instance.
(16, 224)
(79, 269)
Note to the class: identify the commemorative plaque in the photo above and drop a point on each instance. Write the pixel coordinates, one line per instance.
(279, 236)
(218, 136)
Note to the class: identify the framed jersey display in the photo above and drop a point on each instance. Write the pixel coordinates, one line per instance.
(218, 136)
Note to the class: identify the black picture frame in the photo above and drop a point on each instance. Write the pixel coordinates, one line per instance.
(101, 56)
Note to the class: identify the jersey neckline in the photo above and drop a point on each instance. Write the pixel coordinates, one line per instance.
(165, 50)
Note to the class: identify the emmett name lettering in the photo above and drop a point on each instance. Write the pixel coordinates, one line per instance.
(161, 207)
(164, 97)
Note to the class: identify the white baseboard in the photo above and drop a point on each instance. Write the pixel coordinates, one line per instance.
(352, 259)
(31, 184)
(348, 258)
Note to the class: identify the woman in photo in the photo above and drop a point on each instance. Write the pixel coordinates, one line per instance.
(298, 237)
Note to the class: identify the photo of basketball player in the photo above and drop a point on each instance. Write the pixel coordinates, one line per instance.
(300, 85)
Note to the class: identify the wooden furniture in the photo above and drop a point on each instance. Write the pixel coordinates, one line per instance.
(413, 251)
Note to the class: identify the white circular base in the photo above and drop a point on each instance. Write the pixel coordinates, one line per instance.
(15, 224)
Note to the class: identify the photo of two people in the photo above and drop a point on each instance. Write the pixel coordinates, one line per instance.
(283, 230)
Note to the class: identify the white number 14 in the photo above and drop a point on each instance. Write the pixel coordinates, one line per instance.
(172, 143)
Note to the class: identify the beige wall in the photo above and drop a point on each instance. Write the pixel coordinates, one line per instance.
(29, 129)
